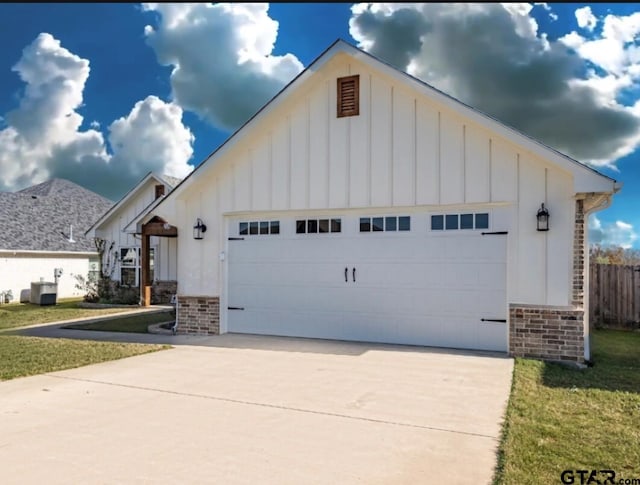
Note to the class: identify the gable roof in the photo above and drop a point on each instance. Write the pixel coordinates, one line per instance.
(40, 218)
(450, 102)
(167, 180)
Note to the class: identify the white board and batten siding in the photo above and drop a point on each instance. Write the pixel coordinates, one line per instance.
(112, 229)
(404, 152)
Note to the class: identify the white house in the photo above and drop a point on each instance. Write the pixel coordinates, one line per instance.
(363, 204)
(121, 258)
(42, 237)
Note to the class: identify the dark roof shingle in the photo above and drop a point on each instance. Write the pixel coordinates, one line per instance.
(40, 218)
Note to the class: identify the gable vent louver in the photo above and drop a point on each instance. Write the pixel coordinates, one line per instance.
(349, 96)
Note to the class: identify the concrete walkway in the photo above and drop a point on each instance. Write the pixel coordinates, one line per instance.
(247, 409)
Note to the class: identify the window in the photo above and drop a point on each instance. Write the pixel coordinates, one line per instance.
(466, 221)
(379, 224)
(315, 226)
(94, 271)
(258, 227)
(482, 221)
(404, 223)
(348, 96)
(159, 191)
(365, 224)
(130, 261)
(336, 225)
(450, 222)
(376, 224)
(390, 223)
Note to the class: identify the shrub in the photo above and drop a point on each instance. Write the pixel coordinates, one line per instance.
(105, 290)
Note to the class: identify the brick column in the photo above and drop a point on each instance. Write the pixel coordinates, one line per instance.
(198, 315)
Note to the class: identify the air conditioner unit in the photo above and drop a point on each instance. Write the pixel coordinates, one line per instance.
(43, 293)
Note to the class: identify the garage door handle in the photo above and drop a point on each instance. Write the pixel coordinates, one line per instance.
(353, 275)
(346, 274)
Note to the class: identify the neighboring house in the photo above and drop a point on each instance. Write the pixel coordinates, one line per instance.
(363, 204)
(122, 262)
(42, 229)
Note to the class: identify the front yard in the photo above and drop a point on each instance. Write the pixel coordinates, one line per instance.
(22, 314)
(26, 356)
(566, 419)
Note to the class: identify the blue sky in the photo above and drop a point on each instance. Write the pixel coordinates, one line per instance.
(102, 93)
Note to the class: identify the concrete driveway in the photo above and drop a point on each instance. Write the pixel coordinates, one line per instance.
(247, 409)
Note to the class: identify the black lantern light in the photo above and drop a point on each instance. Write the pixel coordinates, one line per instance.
(199, 229)
(543, 218)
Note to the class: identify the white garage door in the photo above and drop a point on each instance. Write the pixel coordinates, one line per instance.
(370, 281)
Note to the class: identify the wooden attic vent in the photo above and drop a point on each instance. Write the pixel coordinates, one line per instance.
(159, 191)
(349, 96)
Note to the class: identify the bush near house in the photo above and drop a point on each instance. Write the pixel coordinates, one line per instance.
(105, 290)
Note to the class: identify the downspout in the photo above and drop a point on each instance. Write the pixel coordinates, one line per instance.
(174, 329)
(603, 204)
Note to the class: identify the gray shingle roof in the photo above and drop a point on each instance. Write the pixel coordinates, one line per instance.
(173, 181)
(39, 218)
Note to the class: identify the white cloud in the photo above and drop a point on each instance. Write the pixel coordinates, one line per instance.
(42, 136)
(613, 50)
(223, 67)
(142, 135)
(95, 125)
(619, 233)
(586, 19)
(494, 58)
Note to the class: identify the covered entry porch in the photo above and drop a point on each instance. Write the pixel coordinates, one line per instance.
(157, 227)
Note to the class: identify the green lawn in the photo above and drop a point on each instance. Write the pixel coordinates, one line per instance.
(25, 356)
(560, 418)
(23, 314)
(134, 323)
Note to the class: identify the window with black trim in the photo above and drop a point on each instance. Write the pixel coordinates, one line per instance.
(321, 226)
(449, 222)
(258, 227)
(130, 260)
(385, 224)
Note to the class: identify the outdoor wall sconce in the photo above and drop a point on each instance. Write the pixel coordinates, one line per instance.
(543, 218)
(199, 229)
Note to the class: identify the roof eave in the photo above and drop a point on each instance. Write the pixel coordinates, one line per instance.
(122, 201)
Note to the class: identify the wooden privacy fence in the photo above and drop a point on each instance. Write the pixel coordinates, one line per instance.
(614, 295)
